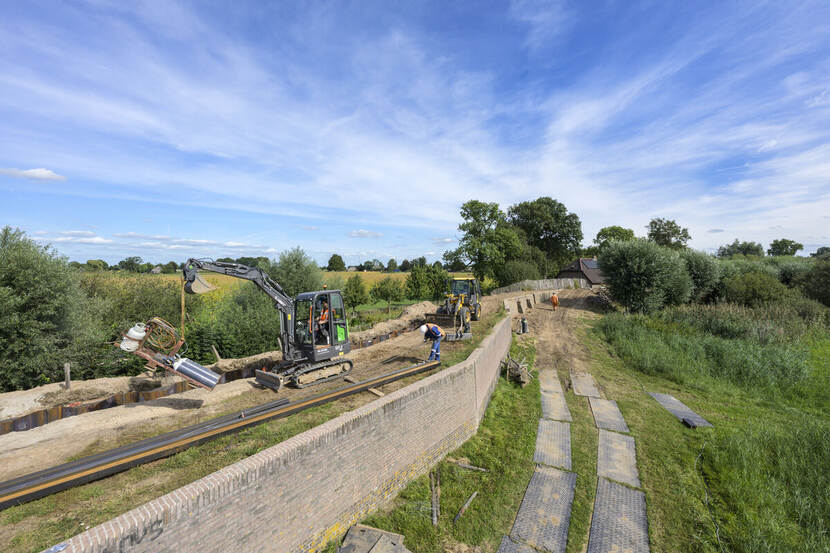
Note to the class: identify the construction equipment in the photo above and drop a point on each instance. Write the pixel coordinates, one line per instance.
(314, 334)
(158, 343)
(461, 305)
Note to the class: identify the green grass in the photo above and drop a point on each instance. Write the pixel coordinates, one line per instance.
(762, 379)
(504, 444)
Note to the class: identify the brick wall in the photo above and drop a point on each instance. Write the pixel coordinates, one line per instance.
(299, 494)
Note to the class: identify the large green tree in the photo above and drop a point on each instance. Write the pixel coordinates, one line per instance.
(783, 246)
(548, 226)
(389, 289)
(296, 272)
(740, 248)
(392, 265)
(336, 263)
(488, 239)
(667, 233)
(821, 252)
(426, 283)
(614, 232)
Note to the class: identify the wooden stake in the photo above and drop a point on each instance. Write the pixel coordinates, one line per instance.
(376, 392)
(66, 375)
(182, 278)
(216, 353)
(464, 508)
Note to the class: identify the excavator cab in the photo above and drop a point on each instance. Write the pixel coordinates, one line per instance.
(321, 331)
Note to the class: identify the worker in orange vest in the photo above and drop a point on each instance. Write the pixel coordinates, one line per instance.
(436, 334)
(554, 299)
(323, 322)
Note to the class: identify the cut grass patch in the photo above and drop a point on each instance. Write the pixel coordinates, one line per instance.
(504, 444)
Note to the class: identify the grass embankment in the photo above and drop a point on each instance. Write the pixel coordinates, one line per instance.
(36, 525)
(762, 377)
(504, 445)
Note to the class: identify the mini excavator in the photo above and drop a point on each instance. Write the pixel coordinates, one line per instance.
(314, 334)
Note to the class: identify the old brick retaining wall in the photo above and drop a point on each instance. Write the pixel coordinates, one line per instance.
(299, 494)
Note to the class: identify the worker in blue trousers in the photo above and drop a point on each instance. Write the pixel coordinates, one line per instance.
(436, 334)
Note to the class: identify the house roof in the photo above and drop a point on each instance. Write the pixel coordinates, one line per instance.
(589, 267)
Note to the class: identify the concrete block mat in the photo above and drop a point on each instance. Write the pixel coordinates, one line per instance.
(619, 521)
(509, 546)
(607, 415)
(549, 381)
(553, 444)
(617, 458)
(362, 539)
(545, 512)
(584, 384)
(679, 409)
(555, 407)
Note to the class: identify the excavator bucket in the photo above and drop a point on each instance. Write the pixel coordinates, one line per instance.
(198, 286)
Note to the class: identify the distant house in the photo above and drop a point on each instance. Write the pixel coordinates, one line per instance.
(584, 267)
(352, 268)
(156, 270)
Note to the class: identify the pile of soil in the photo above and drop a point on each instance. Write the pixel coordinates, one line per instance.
(63, 397)
(257, 361)
(411, 314)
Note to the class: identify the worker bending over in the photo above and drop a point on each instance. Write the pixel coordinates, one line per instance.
(436, 334)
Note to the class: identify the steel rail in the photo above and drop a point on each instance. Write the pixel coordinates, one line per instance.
(42, 483)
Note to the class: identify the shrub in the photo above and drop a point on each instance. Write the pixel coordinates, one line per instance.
(704, 271)
(815, 283)
(644, 276)
(354, 293)
(426, 283)
(753, 289)
(389, 289)
(517, 271)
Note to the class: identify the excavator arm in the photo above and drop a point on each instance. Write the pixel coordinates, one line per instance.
(194, 285)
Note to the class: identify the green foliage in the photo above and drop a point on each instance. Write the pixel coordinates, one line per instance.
(821, 252)
(39, 300)
(354, 293)
(96, 265)
(516, 271)
(815, 283)
(740, 248)
(753, 289)
(392, 265)
(784, 246)
(131, 264)
(389, 289)
(548, 226)
(405, 265)
(426, 283)
(667, 233)
(488, 238)
(614, 232)
(336, 263)
(644, 276)
(453, 261)
(704, 272)
(296, 272)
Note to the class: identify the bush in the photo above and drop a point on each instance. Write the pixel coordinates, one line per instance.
(643, 276)
(354, 293)
(815, 283)
(704, 271)
(426, 283)
(753, 289)
(517, 271)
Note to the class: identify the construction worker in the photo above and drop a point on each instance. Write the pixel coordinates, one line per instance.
(323, 322)
(554, 299)
(436, 334)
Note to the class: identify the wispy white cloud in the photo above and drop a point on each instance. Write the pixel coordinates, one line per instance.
(36, 174)
(76, 233)
(83, 239)
(362, 233)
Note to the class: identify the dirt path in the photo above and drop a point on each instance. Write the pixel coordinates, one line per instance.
(558, 346)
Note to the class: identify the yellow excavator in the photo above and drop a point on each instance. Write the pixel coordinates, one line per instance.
(461, 305)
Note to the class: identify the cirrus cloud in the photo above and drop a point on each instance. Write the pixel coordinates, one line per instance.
(37, 174)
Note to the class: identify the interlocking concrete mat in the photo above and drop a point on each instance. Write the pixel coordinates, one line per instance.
(619, 521)
(362, 539)
(509, 546)
(555, 407)
(549, 381)
(553, 444)
(679, 409)
(607, 415)
(545, 512)
(617, 458)
(584, 384)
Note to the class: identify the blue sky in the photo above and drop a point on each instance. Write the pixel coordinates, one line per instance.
(245, 128)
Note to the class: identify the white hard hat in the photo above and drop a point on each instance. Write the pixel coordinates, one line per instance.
(424, 328)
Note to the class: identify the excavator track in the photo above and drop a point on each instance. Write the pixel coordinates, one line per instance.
(303, 377)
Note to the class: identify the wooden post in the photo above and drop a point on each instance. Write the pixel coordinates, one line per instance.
(66, 381)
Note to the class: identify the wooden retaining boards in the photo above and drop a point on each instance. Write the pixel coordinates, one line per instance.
(67, 475)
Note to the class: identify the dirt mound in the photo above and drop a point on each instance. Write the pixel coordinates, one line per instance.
(62, 397)
(257, 361)
(411, 314)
